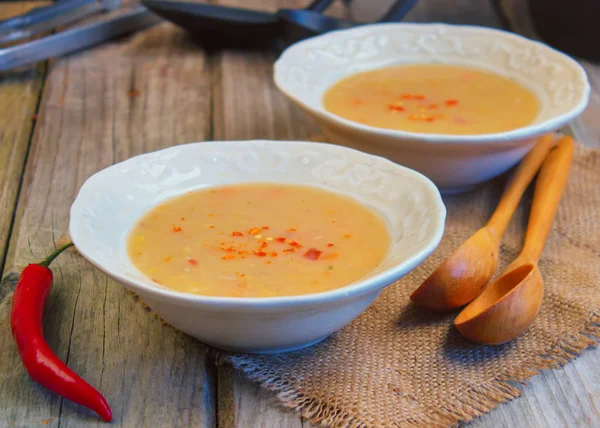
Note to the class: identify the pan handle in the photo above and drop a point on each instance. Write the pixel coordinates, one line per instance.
(319, 5)
(398, 10)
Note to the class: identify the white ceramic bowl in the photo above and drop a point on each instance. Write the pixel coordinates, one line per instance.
(110, 202)
(454, 163)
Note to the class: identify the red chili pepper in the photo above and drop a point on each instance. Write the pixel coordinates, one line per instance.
(40, 362)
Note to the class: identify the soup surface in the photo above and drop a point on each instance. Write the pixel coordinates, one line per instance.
(433, 99)
(258, 240)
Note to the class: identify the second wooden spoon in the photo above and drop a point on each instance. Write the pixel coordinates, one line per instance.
(462, 276)
(506, 308)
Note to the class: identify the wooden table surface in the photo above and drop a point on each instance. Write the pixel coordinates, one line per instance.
(62, 121)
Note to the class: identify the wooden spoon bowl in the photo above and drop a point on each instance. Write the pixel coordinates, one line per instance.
(505, 309)
(462, 276)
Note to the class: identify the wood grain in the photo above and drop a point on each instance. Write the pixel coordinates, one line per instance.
(246, 404)
(19, 96)
(99, 107)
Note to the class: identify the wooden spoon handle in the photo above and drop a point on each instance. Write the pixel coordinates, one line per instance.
(517, 185)
(549, 188)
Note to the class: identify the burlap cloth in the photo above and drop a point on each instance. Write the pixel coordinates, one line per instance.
(398, 366)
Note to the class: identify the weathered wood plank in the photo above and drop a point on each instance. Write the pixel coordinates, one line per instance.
(19, 95)
(246, 404)
(107, 104)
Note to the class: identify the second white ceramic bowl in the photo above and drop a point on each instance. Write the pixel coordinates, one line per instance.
(454, 163)
(111, 201)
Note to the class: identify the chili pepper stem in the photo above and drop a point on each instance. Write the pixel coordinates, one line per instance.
(46, 262)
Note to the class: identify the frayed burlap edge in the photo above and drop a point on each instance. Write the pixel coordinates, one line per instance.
(478, 400)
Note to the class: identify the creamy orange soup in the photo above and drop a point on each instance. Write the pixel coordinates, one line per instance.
(433, 99)
(258, 240)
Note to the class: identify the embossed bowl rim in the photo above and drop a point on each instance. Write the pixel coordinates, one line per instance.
(305, 301)
(552, 123)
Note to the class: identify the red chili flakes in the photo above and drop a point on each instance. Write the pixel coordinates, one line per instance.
(292, 229)
(312, 254)
(259, 253)
(228, 257)
(193, 262)
(392, 107)
(289, 250)
(429, 119)
(433, 106)
(176, 229)
(263, 245)
(417, 97)
(265, 228)
(212, 226)
(295, 244)
(281, 240)
(268, 262)
(182, 218)
(451, 103)
(346, 235)
(229, 249)
(330, 245)
(157, 281)
(134, 93)
(34, 117)
(237, 234)
(273, 254)
(253, 231)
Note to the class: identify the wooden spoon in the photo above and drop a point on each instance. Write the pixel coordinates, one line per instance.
(462, 276)
(510, 304)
